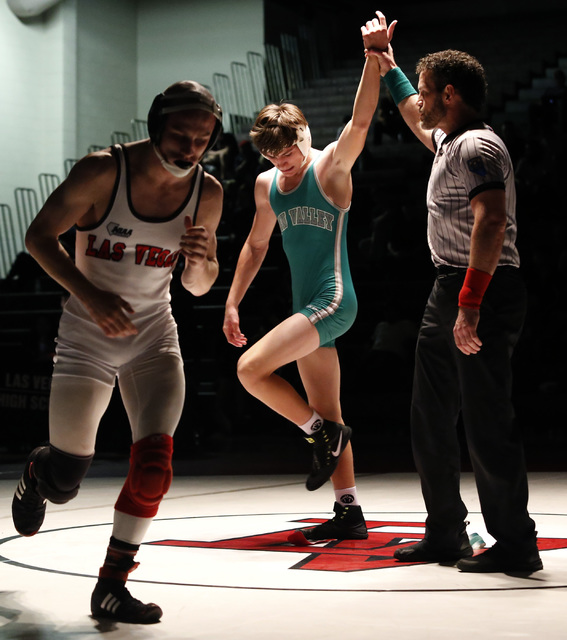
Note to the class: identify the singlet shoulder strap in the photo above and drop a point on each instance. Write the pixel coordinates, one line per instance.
(192, 207)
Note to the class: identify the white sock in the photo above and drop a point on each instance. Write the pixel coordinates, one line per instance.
(313, 424)
(346, 497)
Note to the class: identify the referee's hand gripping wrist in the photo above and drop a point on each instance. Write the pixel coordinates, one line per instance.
(385, 58)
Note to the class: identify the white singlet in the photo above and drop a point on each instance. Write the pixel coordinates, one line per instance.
(134, 257)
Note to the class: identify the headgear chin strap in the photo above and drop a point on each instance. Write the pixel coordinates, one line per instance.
(303, 141)
(176, 171)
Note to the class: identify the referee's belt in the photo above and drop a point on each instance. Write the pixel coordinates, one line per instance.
(449, 270)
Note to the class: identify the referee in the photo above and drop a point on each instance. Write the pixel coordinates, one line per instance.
(472, 321)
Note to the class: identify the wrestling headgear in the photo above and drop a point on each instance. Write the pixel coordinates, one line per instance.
(303, 140)
(180, 97)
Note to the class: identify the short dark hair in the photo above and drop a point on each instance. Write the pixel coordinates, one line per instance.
(276, 127)
(459, 69)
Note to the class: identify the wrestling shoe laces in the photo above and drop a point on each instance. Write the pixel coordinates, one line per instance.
(28, 507)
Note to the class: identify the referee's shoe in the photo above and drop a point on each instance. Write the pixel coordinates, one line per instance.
(496, 560)
(446, 550)
(328, 444)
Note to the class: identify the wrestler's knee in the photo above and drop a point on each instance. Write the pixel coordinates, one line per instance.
(59, 474)
(249, 369)
(149, 476)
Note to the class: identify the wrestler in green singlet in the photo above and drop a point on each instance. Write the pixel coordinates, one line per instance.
(314, 240)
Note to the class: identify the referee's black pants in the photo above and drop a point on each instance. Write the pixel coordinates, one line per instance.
(446, 383)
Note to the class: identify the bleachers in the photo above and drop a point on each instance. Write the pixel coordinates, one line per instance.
(517, 75)
(10, 237)
(512, 67)
(48, 182)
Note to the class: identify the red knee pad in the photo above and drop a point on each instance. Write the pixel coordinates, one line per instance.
(149, 476)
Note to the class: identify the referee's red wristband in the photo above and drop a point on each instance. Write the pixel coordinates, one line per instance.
(474, 286)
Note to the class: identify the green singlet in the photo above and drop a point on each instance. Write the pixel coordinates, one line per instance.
(314, 240)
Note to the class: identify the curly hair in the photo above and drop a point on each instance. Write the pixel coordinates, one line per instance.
(276, 127)
(459, 69)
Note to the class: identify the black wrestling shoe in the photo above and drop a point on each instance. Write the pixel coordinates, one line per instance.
(111, 599)
(428, 551)
(494, 560)
(328, 444)
(28, 507)
(348, 524)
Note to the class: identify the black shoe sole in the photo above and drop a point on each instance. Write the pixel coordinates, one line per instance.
(477, 566)
(432, 556)
(299, 539)
(123, 612)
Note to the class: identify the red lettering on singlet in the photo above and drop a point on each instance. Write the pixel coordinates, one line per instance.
(118, 251)
(155, 256)
(171, 259)
(161, 258)
(141, 250)
(91, 251)
(152, 256)
(105, 251)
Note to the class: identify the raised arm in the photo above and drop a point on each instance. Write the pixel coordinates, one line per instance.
(403, 93)
(250, 260)
(375, 34)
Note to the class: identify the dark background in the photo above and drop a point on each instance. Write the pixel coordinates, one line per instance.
(223, 429)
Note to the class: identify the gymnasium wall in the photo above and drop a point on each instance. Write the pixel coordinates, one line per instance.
(32, 96)
(106, 70)
(85, 68)
(181, 40)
